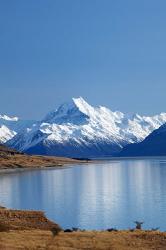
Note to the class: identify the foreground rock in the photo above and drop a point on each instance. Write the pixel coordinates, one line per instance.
(10, 158)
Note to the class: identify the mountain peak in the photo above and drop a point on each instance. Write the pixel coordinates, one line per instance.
(77, 129)
(7, 118)
(79, 100)
(74, 111)
(82, 105)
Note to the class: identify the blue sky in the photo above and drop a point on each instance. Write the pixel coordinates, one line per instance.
(110, 52)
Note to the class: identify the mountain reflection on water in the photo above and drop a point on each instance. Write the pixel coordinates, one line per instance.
(93, 196)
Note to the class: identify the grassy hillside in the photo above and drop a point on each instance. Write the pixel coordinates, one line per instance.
(32, 230)
(10, 158)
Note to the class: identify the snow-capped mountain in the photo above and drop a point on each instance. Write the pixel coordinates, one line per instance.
(153, 145)
(10, 126)
(77, 129)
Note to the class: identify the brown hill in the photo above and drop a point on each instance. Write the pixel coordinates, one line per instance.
(10, 158)
(25, 220)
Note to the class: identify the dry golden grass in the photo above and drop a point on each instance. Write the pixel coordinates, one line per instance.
(23, 220)
(122, 240)
(32, 230)
(10, 158)
(25, 161)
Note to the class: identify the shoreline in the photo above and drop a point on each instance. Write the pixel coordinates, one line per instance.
(128, 158)
(41, 233)
(25, 169)
(12, 161)
(61, 163)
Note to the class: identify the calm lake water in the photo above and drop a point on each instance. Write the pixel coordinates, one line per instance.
(93, 196)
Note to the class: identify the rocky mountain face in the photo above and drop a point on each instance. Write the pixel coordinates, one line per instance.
(77, 129)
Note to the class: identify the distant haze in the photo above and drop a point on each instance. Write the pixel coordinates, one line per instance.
(110, 52)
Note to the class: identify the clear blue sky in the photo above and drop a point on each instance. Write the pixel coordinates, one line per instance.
(111, 52)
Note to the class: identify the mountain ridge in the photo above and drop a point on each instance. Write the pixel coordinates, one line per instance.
(10, 126)
(153, 145)
(77, 129)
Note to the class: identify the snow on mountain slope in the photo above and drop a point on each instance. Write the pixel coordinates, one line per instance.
(7, 118)
(6, 134)
(153, 145)
(77, 129)
(10, 126)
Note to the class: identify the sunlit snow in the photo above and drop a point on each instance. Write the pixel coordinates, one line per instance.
(78, 123)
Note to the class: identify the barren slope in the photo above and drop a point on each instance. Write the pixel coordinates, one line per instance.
(10, 158)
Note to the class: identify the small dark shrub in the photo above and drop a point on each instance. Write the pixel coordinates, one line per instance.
(55, 231)
(4, 227)
(138, 224)
(112, 230)
(68, 231)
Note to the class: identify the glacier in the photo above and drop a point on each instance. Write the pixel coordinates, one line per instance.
(77, 129)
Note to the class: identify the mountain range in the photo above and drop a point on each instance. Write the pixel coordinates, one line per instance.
(10, 126)
(153, 145)
(77, 129)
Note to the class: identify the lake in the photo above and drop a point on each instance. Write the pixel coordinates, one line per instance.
(93, 196)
